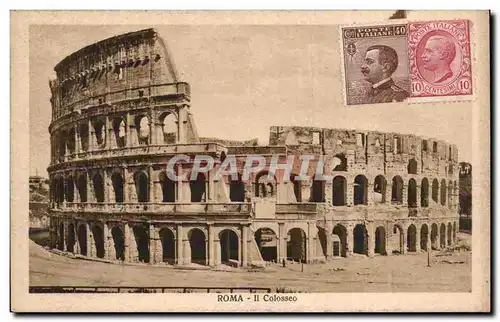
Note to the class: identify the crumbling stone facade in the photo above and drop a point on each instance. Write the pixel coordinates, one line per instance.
(120, 113)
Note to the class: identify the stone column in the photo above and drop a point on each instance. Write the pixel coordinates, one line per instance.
(211, 245)
(111, 243)
(151, 184)
(106, 241)
(180, 245)
(417, 239)
(133, 251)
(153, 237)
(281, 242)
(91, 252)
(77, 139)
(329, 244)
(126, 188)
(128, 133)
(418, 196)
(244, 245)
(181, 111)
(350, 239)
(312, 231)
(107, 133)
(217, 251)
(91, 136)
(329, 191)
(77, 248)
(127, 237)
(106, 179)
(350, 193)
(388, 239)
(369, 194)
(404, 241)
(405, 194)
(370, 232)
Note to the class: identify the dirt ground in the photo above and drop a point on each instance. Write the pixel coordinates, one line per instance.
(396, 273)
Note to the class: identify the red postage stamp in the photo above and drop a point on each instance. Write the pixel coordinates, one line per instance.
(440, 58)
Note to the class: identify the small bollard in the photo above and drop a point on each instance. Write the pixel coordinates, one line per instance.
(284, 263)
(428, 258)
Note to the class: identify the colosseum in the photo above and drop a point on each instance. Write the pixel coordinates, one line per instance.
(120, 113)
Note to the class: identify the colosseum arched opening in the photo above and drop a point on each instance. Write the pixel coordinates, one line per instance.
(198, 246)
(99, 130)
(141, 181)
(267, 242)
(118, 185)
(443, 192)
(229, 245)
(70, 240)
(198, 188)
(322, 238)
(341, 163)
(168, 123)
(82, 239)
(82, 187)
(296, 245)
(297, 187)
(398, 239)
(435, 191)
(70, 189)
(341, 232)
(442, 236)
(412, 193)
(379, 189)
(119, 242)
(168, 187)
(360, 190)
(397, 190)
(339, 190)
(380, 241)
(60, 235)
(360, 239)
(412, 238)
(424, 193)
(434, 237)
(98, 185)
(143, 129)
(318, 190)
(412, 166)
(168, 246)
(120, 132)
(237, 190)
(98, 234)
(424, 236)
(449, 234)
(83, 132)
(141, 236)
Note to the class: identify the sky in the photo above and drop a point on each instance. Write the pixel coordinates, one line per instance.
(245, 79)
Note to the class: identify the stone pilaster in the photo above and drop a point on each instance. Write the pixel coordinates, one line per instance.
(245, 244)
(417, 239)
(180, 245)
(369, 194)
(127, 242)
(370, 235)
(281, 242)
(211, 245)
(350, 193)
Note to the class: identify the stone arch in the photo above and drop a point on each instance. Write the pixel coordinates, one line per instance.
(169, 129)
(70, 143)
(168, 245)
(70, 241)
(412, 193)
(379, 189)
(360, 190)
(120, 131)
(442, 235)
(435, 190)
(265, 186)
(267, 241)
(168, 187)
(82, 239)
(450, 194)
(237, 190)
(454, 232)
(83, 131)
(321, 237)
(118, 187)
(59, 189)
(119, 242)
(198, 188)
(143, 128)
(141, 236)
(70, 189)
(99, 123)
(296, 245)
(380, 240)
(397, 190)
(398, 232)
(360, 239)
(449, 234)
(424, 193)
(317, 190)
(198, 246)
(141, 181)
(60, 235)
(424, 237)
(434, 236)
(339, 190)
(412, 166)
(340, 162)
(229, 246)
(98, 184)
(297, 187)
(98, 233)
(443, 192)
(82, 187)
(412, 238)
(341, 232)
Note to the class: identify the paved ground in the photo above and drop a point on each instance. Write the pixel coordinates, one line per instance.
(408, 273)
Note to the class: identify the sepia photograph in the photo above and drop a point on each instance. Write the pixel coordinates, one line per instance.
(256, 165)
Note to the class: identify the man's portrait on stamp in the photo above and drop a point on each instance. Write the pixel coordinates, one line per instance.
(440, 59)
(376, 64)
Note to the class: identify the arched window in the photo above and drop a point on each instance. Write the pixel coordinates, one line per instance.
(143, 129)
(167, 187)
(339, 191)
(339, 162)
(169, 128)
(318, 190)
(412, 166)
(120, 130)
(424, 193)
(70, 189)
(412, 193)
(141, 186)
(82, 187)
(98, 188)
(397, 190)
(99, 131)
(237, 190)
(435, 190)
(360, 190)
(84, 136)
(117, 182)
(443, 192)
(379, 189)
(265, 186)
(198, 188)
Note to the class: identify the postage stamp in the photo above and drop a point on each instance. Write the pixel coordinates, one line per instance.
(376, 64)
(440, 58)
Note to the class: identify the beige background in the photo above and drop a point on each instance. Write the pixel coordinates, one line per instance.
(463, 123)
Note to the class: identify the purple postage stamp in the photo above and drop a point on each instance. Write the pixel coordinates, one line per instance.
(376, 68)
